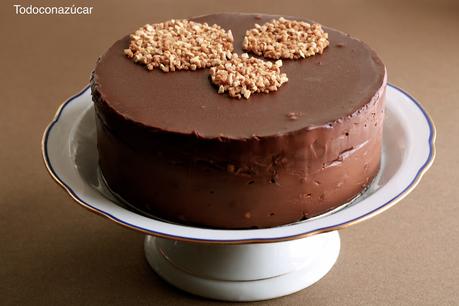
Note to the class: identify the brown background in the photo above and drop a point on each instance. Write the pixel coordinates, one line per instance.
(54, 252)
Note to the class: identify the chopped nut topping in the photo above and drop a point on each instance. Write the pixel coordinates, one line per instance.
(294, 115)
(241, 76)
(287, 39)
(179, 45)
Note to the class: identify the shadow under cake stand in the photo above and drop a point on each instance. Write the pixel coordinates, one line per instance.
(241, 265)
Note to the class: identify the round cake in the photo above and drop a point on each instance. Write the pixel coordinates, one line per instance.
(173, 147)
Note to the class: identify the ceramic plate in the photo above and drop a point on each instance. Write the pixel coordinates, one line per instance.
(70, 154)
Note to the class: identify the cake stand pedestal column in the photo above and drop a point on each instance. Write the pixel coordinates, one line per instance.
(244, 272)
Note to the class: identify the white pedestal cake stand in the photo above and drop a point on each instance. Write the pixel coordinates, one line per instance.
(241, 265)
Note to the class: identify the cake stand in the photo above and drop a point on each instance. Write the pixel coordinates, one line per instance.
(241, 265)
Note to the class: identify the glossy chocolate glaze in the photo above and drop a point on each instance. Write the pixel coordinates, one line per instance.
(169, 144)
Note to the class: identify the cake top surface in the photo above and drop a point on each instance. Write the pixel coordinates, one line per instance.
(321, 89)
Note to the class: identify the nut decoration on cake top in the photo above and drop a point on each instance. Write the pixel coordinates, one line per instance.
(187, 45)
(242, 75)
(179, 45)
(288, 39)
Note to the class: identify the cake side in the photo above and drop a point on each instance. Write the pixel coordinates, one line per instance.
(259, 189)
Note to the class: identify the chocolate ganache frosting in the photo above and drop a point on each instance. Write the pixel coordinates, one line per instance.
(171, 146)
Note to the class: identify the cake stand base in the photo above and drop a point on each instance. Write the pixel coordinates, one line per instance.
(248, 272)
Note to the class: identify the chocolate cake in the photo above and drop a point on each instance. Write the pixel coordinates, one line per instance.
(171, 146)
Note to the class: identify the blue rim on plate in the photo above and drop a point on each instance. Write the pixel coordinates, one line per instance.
(415, 180)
